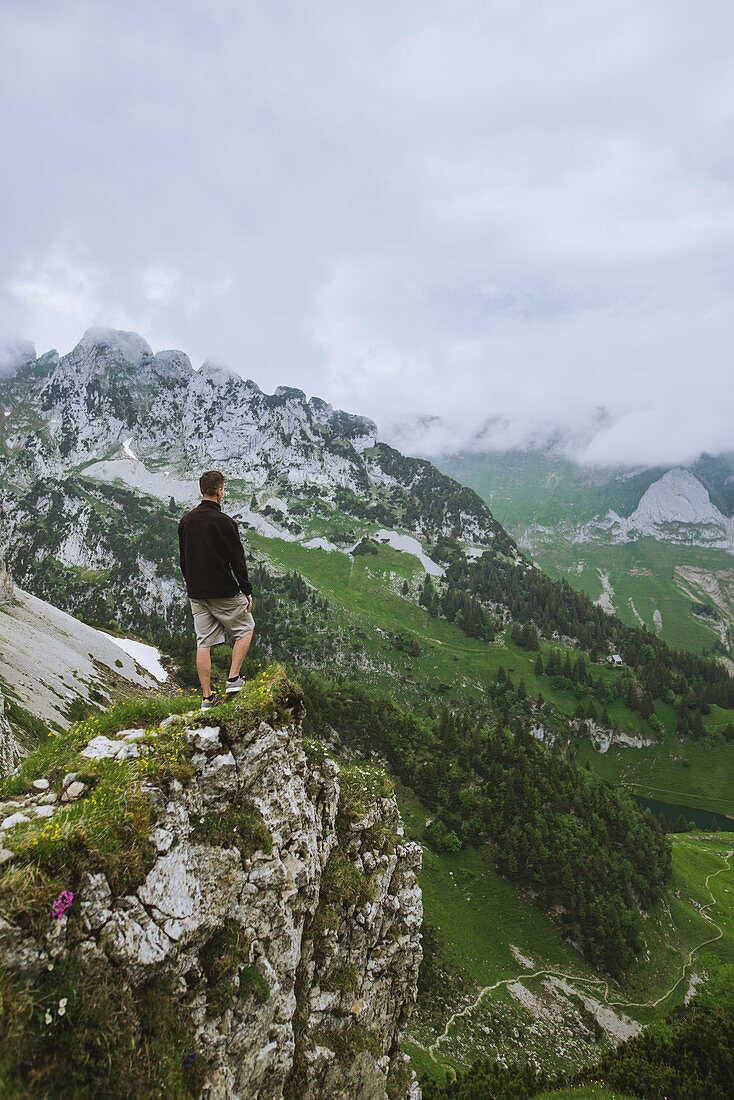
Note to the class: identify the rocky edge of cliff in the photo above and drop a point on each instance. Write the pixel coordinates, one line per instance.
(205, 905)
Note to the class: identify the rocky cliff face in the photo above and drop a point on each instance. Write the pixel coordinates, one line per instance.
(676, 508)
(7, 589)
(11, 752)
(101, 450)
(113, 409)
(272, 932)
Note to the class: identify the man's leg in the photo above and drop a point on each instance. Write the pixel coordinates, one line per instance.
(239, 652)
(204, 668)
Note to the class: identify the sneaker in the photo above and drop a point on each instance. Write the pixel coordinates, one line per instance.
(234, 685)
(207, 704)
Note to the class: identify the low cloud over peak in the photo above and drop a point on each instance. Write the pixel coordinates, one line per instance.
(494, 215)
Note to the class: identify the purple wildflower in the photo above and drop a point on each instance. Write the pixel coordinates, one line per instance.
(61, 904)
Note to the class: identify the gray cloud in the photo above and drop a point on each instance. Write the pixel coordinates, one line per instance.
(498, 214)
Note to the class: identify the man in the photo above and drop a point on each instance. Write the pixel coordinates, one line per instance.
(214, 568)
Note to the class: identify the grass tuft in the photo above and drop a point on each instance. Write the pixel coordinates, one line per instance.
(242, 828)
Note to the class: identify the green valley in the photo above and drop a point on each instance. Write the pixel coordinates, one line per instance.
(681, 591)
(527, 996)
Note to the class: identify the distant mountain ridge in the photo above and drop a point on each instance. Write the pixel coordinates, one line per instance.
(111, 400)
(101, 450)
(676, 508)
(607, 530)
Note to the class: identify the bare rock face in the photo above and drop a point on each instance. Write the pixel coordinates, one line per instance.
(280, 908)
(370, 908)
(11, 752)
(7, 590)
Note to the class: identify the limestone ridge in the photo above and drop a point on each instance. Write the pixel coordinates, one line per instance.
(280, 909)
(100, 453)
(676, 508)
(11, 752)
(50, 663)
(111, 409)
(50, 659)
(7, 589)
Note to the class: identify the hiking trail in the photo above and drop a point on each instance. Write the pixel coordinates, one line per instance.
(600, 984)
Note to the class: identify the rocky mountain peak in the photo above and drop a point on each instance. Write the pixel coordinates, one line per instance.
(112, 413)
(172, 364)
(677, 497)
(111, 392)
(290, 393)
(108, 343)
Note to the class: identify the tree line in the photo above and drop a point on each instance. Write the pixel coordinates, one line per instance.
(577, 845)
(476, 592)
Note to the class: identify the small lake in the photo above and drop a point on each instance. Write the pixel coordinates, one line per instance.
(702, 819)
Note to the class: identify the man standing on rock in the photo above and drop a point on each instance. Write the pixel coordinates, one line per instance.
(214, 568)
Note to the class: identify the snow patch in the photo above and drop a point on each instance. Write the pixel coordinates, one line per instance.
(147, 656)
(410, 546)
(128, 449)
(260, 524)
(152, 482)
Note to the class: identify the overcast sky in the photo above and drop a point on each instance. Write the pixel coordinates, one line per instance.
(518, 214)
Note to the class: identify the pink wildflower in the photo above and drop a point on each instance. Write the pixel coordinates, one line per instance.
(61, 904)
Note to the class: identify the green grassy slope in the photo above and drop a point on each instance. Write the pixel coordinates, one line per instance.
(687, 773)
(366, 595)
(644, 578)
(523, 487)
(489, 936)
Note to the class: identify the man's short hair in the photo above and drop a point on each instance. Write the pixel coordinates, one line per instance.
(210, 481)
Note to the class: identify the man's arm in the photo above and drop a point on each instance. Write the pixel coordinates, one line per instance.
(237, 560)
(181, 555)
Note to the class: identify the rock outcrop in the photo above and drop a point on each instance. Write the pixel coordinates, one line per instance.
(11, 752)
(277, 914)
(7, 589)
(50, 660)
(101, 451)
(675, 509)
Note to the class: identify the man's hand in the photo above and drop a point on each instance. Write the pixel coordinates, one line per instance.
(249, 603)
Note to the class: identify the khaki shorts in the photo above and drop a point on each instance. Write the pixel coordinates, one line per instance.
(213, 617)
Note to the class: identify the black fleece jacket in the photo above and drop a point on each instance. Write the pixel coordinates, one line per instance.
(211, 553)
